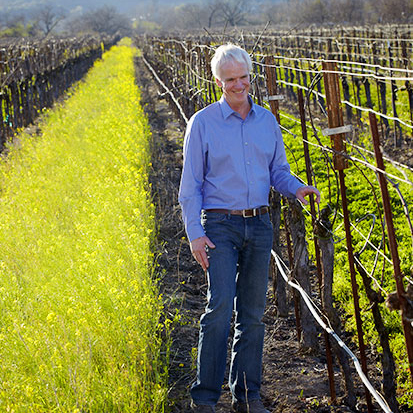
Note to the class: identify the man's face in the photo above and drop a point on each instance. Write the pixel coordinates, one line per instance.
(235, 82)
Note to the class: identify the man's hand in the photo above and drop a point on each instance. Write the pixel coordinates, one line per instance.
(303, 191)
(198, 250)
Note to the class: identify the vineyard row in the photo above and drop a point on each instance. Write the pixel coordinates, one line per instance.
(369, 85)
(182, 66)
(33, 76)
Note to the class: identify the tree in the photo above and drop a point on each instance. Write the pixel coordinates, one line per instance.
(347, 11)
(104, 20)
(214, 13)
(234, 12)
(391, 11)
(212, 10)
(14, 25)
(282, 12)
(191, 15)
(48, 17)
(315, 11)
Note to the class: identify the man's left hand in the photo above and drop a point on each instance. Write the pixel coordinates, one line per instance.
(303, 191)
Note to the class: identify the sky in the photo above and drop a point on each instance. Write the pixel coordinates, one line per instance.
(122, 6)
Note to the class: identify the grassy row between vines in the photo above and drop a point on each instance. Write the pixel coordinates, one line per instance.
(365, 214)
(80, 312)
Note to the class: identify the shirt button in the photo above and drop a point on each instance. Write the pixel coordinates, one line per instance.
(246, 143)
(248, 163)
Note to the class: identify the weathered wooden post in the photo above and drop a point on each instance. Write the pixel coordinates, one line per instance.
(404, 305)
(336, 131)
(323, 232)
(301, 273)
(316, 246)
(279, 286)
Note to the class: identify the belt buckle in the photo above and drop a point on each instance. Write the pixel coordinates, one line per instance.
(254, 213)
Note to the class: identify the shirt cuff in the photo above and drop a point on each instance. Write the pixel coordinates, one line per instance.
(195, 232)
(293, 187)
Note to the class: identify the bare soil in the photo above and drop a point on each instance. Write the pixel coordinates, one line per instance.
(292, 381)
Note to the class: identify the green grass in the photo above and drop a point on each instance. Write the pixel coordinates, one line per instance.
(79, 309)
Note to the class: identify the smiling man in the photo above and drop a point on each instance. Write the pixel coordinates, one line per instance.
(233, 154)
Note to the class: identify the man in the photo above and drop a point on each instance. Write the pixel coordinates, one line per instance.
(233, 153)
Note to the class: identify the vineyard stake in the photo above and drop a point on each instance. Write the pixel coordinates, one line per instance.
(272, 85)
(401, 293)
(335, 119)
(296, 297)
(271, 78)
(316, 246)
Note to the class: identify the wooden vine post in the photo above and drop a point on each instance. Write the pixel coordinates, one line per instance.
(403, 304)
(308, 168)
(272, 86)
(336, 131)
(275, 199)
(275, 204)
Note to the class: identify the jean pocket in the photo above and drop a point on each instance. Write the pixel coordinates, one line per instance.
(212, 218)
(265, 219)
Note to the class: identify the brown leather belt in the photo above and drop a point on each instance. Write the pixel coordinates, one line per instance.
(246, 213)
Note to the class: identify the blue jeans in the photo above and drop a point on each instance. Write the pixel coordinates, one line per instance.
(237, 280)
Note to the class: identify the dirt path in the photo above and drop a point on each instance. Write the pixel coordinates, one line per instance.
(292, 382)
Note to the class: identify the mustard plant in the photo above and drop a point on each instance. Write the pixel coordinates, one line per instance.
(79, 308)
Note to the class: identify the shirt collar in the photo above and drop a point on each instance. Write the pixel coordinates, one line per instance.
(227, 111)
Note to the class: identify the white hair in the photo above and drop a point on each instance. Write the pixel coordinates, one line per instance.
(229, 52)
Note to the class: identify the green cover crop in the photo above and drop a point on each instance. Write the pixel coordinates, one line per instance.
(79, 310)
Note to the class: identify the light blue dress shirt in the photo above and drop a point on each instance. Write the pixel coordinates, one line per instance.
(230, 162)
